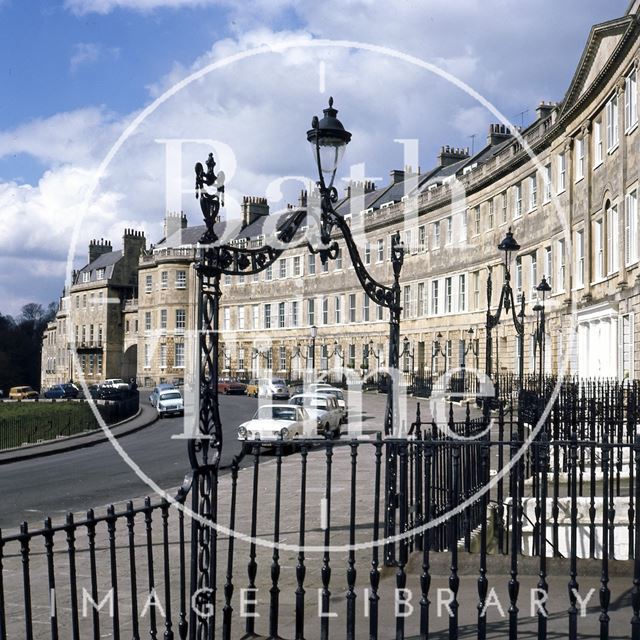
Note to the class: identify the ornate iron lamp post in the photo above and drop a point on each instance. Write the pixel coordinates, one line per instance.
(336, 352)
(540, 331)
(437, 350)
(205, 447)
(469, 347)
(409, 353)
(374, 352)
(314, 335)
(506, 304)
(296, 353)
(328, 139)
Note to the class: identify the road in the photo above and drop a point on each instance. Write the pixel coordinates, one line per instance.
(97, 476)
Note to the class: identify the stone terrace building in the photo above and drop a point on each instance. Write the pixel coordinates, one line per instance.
(90, 315)
(573, 207)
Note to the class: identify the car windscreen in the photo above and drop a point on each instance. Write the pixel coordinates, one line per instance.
(170, 396)
(336, 393)
(276, 413)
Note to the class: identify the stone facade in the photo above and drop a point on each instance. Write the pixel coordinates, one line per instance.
(567, 186)
(91, 314)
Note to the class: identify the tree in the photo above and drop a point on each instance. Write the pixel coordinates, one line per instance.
(21, 344)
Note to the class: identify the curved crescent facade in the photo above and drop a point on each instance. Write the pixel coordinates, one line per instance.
(567, 186)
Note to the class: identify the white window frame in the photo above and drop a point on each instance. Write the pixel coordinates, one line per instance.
(579, 252)
(579, 159)
(462, 292)
(560, 265)
(597, 143)
(612, 123)
(612, 240)
(178, 355)
(562, 172)
(631, 227)
(631, 100)
(547, 182)
(518, 209)
(533, 192)
(598, 248)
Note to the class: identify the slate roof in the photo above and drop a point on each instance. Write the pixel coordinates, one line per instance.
(106, 261)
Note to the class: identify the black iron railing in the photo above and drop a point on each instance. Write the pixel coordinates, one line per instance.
(483, 510)
(54, 422)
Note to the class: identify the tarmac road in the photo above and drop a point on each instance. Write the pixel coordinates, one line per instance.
(96, 476)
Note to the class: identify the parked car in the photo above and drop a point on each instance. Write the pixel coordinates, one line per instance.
(60, 391)
(323, 408)
(163, 386)
(273, 421)
(116, 383)
(318, 385)
(229, 386)
(22, 393)
(338, 395)
(170, 402)
(274, 388)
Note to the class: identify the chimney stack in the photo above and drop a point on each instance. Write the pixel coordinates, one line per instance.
(397, 176)
(498, 133)
(133, 242)
(450, 155)
(253, 207)
(544, 109)
(174, 223)
(98, 248)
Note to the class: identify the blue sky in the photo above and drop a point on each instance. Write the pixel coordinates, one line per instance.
(74, 73)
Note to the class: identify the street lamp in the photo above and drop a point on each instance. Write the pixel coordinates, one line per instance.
(374, 353)
(506, 303)
(407, 352)
(314, 335)
(337, 351)
(539, 335)
(328, 139)
(469, 347)
(436, 350)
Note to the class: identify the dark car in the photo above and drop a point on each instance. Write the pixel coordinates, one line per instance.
(229, 386)
(54, 392)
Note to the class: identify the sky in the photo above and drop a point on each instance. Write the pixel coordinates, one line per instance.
(75, 75)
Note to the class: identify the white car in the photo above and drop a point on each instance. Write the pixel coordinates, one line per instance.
(323, 408)
(273, 421)
(116, 383)
(169, 402)
(318, 385)
(338, 395)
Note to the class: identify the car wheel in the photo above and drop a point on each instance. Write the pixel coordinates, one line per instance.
(338, 432)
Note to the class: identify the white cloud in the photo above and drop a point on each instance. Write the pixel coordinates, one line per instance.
(263, 106)
(82, 7)
(87, 53)
(69, 137)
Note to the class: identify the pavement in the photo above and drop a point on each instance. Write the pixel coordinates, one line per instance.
(145, 416)
(278, 517)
